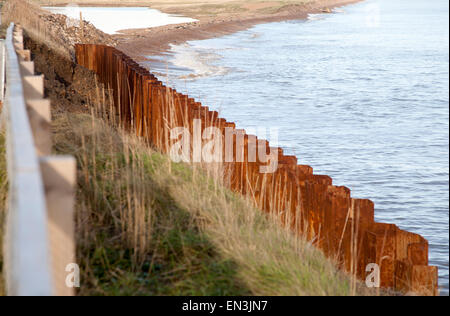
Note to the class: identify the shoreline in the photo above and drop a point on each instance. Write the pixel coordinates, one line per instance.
(140, 43)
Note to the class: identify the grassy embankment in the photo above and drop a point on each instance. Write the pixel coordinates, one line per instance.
(148, 226)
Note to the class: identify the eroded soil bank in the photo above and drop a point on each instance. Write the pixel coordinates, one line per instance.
(70, 87)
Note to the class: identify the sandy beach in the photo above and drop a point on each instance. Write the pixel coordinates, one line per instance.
(215, 18)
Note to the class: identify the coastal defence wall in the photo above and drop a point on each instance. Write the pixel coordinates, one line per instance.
(341, 226)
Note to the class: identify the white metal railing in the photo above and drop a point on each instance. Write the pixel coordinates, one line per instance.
(39, 226)
(2, 69)
(27, 262)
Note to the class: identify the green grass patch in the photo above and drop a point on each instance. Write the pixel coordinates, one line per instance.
(133, 238)
(3, 198)
(148, 226)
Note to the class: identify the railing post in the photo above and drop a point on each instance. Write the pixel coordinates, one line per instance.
(39, 241)
(59, 175)
(27, 264)
(2, 70)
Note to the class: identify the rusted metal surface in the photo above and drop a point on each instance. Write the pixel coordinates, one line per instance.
(343, 227)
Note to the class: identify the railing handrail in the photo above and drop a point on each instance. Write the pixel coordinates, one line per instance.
(2, 69)
(27, 254)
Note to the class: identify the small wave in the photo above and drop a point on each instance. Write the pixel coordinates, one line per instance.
(315, 17)
(198, 61)
(255, 35)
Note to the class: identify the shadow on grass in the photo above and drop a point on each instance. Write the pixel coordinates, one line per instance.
(117, 195)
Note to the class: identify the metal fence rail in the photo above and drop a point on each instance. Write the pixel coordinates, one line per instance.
(39, 227)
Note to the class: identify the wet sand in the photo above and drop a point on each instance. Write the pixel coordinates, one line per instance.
(140, 43)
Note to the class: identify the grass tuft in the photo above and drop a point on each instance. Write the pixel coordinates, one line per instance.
(148, 226)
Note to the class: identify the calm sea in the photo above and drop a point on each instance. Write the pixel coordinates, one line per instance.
(361, 95)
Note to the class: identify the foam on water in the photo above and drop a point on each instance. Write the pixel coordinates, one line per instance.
(200, 61)
(114, 19)
(315, 17)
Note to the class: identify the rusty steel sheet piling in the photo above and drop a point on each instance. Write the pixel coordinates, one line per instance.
(341, 226)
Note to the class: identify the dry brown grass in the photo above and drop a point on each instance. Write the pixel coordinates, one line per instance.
(148, 226)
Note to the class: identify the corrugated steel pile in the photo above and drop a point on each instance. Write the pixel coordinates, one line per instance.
(343, 227)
